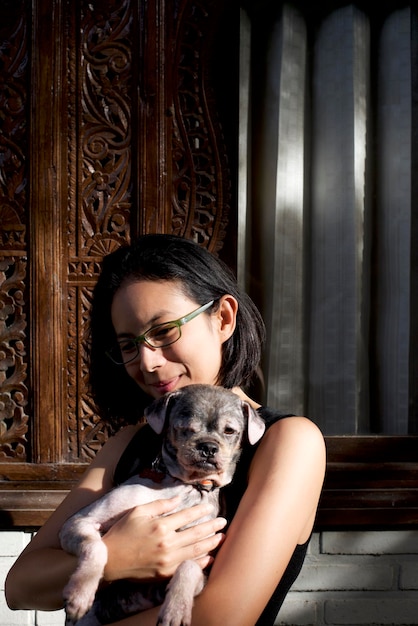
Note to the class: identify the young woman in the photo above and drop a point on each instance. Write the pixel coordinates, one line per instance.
(167, 314)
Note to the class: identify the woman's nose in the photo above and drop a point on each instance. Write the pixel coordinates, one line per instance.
(150, 358)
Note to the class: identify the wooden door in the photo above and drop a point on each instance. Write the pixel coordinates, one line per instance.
(109, 128)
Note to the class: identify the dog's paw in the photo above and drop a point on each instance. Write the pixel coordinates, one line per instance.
(175, 614)
(78, 603)
(186, 583)
(176, 610)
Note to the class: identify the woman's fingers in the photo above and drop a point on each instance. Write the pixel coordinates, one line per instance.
(159, 507)
(204, 531)
(198, 539)
(185, 517)
(152, 546)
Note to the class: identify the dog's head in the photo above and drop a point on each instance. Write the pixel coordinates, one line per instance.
(203, 430)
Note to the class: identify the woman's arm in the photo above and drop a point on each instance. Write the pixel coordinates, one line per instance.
(39, 575)
(142, 545)
(276, 513)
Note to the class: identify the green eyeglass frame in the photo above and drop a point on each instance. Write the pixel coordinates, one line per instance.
(127, 350)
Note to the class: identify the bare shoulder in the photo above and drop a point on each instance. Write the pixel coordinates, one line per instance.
(300, 430)
(293, 451)
(296, 428)
(293, 439)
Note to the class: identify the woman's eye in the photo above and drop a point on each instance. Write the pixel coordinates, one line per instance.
(162, 334)
(127, 346)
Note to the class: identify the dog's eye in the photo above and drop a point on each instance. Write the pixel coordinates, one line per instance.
(229, 431)
(186, 429)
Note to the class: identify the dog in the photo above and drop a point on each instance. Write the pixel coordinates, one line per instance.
(202, 429)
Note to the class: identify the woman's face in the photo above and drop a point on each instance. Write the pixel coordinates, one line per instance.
(195, 358)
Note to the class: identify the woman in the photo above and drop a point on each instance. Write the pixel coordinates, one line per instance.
(167, 314)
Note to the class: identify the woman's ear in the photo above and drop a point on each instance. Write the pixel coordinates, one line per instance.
(226, 316)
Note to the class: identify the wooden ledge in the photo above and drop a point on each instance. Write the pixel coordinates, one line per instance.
(29, 493)
(371, 482)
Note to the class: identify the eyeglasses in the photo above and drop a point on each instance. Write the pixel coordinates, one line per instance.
(161, 336)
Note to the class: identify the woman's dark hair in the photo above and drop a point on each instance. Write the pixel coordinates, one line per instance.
(118, 398)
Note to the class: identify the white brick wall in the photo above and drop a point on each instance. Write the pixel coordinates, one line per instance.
(356, 579)
(349, 579)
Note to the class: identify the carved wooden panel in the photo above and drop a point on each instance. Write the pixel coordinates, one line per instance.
(14, 143)
(188, 197)
(101, 84)
(124, 140)
(199, 168)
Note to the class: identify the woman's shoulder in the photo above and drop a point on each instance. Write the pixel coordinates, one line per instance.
(285, 421)
(271, 416)
(295, 425)
(297, 432)
(295, 446)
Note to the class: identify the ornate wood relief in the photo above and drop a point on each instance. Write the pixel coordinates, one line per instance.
(101, 84)
(104, 83)
(103, 110)
(13, 390)
(13, 207)
(131, 142)
(200, 195)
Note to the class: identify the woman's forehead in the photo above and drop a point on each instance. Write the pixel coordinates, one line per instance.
(147, 301)
(148, 288)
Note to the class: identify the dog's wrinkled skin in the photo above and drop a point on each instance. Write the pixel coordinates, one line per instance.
(202, 428)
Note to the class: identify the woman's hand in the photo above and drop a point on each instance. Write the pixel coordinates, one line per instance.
(144, 545)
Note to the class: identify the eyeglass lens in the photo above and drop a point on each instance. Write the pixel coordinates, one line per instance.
(158, 337)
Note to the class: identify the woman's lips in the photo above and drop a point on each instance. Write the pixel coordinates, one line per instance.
(164, 386)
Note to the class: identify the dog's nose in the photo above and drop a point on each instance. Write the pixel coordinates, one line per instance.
(207, 449)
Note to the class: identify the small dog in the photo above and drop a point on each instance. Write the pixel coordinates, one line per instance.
(203, 427)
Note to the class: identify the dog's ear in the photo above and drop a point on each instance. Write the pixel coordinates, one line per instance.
(255, 425)
(157, 411)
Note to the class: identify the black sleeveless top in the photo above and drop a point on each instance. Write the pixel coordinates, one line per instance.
(143, 449)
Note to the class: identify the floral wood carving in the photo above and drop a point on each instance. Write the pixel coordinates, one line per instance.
(103, 43)
(200, 195)
(100, 112)
(13, 200)
(102, 65)
(13, 391)
(103, 75)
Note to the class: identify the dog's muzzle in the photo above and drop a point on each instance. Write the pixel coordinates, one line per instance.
(207, 450)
